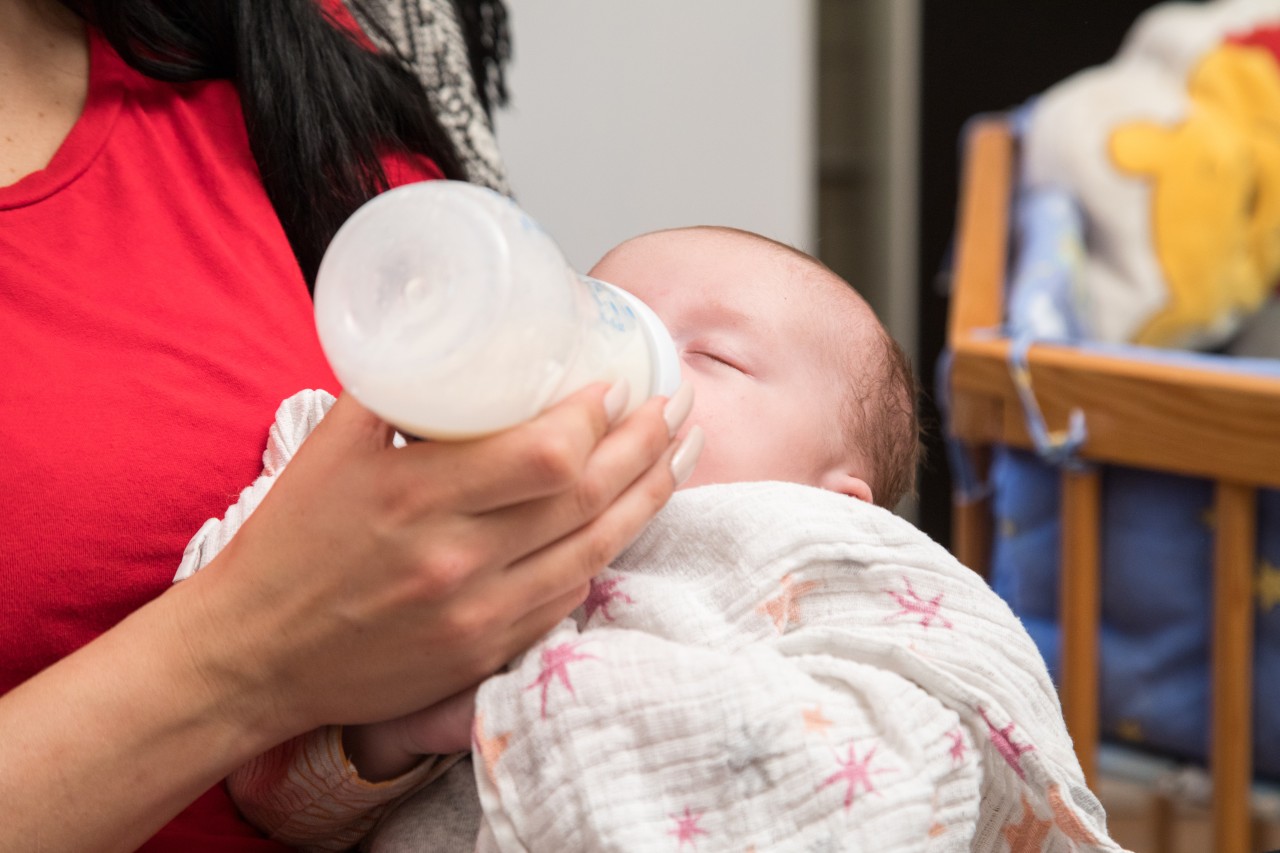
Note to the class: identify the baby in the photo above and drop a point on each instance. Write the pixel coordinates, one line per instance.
(794, 377)
(746, 633)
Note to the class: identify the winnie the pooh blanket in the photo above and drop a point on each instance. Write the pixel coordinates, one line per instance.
(1170, 153)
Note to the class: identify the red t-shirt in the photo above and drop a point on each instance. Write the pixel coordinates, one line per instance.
(153, 317)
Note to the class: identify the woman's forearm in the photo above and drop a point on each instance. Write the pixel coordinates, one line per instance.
(104, 747)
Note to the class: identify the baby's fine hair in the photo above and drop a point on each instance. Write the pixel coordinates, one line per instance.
(885, 420)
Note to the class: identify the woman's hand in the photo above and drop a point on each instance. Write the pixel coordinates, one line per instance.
(374, 581)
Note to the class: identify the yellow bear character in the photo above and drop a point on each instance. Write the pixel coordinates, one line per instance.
(1215, 214)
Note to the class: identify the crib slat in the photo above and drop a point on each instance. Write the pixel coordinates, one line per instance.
(971, 534)
(1080, 603)
(971, 520)
(981, 251)
(1235, 512)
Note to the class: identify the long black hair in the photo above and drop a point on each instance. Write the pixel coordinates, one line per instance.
(319, 107)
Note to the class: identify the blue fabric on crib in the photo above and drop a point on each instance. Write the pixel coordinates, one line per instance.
(1050, 236)
(1157, 550)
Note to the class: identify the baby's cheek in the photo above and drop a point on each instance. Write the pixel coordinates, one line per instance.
(704, 471)
(727, 458)
(737, 433)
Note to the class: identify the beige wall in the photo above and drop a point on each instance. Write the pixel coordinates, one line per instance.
(631, 116)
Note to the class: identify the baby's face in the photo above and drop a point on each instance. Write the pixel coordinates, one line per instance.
(765, 348)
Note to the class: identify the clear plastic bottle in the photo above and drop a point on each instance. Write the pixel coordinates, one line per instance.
(447, 311)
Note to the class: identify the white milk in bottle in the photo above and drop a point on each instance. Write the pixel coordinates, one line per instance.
(448, 312)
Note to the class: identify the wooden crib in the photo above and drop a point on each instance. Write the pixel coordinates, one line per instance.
(1196, 422)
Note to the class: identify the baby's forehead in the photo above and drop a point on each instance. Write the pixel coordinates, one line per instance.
(787, 267)
(713, 239)
(826, 299)
(708, 244)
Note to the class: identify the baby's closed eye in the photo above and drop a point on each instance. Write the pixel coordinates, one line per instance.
(715, 358)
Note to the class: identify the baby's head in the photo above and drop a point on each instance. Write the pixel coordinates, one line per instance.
(794, 377)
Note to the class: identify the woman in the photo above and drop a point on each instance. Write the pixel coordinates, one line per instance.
(161, 217)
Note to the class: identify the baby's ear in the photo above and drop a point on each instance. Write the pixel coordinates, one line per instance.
(846, 484)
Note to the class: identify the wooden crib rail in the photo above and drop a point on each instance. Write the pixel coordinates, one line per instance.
(1201, 423)
(1190, 421)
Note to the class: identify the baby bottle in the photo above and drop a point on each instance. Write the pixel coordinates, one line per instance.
(448, 312)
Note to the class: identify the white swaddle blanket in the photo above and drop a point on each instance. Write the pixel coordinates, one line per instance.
(777, 667)
(772, 667)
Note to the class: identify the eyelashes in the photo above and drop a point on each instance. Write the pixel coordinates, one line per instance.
(718, 359)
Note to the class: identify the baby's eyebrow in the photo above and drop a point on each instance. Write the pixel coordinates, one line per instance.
(723, 315)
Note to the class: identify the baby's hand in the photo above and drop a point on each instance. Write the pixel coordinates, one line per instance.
(385, 750)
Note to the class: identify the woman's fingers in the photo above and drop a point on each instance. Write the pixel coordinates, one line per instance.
(542, 457)
(552, 575)
(535, 624)
(620, 459)
(352, 424)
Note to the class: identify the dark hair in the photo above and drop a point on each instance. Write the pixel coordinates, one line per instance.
(886, 421)
(320, 108)
(488, 38)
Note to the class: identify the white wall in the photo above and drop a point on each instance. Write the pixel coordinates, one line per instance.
(633, 115)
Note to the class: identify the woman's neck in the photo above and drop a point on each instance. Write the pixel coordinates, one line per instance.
(44, 79)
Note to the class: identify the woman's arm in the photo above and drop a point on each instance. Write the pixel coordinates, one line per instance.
(371, 582)
(104, 747)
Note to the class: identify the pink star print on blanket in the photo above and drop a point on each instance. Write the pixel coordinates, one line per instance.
(853, 772)
(555, 665)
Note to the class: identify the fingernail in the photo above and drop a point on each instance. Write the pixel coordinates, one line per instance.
(686, 456)
(615, 401)
(678, 408)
